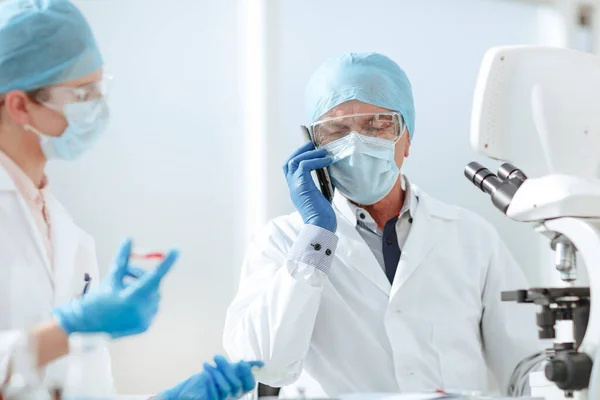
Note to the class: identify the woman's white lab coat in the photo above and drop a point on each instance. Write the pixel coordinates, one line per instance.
(30, 287)
(435, 327)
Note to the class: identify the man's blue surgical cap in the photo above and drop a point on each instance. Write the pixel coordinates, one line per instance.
(44, 43)
(368, 77)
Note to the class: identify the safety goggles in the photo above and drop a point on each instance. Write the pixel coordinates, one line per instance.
(56, 97)
(385, 125)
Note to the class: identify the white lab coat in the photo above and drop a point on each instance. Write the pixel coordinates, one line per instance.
(29, 286)
(434, 328)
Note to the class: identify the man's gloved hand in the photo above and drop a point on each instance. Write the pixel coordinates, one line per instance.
(314, 208)
(116, 307)
(225, 381)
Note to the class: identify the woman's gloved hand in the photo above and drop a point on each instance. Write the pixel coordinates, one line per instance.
(224, 381)
(116, 307)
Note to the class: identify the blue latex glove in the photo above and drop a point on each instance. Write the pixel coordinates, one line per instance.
(224, 381)
(313, 207)
(116, 307)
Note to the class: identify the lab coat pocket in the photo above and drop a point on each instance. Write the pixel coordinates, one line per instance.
(417, 363)
(461, 358)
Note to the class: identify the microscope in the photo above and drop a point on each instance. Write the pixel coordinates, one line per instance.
(537, 109)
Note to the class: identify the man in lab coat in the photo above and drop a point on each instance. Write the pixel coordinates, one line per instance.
(387, 289)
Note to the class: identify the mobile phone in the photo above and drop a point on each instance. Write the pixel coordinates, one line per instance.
(322, 174)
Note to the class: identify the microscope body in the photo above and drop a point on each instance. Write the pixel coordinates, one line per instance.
(557, 206)
(537, 108)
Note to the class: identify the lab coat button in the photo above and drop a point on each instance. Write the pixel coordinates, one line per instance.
(328, 252)
(389, 241)
(362, 215)
(317, 247)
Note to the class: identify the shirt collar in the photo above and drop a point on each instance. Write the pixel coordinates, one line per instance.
(23, 183)
(352, 212)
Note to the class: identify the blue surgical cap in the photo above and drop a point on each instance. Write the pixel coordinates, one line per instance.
(44, 43)
(368, 77)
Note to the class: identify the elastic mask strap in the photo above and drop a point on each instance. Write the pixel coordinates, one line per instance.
(42, 136)
(50, 106)
(30, 128)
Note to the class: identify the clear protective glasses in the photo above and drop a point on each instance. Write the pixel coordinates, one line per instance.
(384, 125)
(56, 97)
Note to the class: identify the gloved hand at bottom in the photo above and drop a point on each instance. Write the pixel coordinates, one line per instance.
(225, 381)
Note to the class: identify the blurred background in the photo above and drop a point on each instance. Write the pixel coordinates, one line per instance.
(206, 104)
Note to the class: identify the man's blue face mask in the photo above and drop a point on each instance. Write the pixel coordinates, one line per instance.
(364, 169)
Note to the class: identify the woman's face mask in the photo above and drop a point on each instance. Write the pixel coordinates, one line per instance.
(86, 123)
(364, 169)
(87, 116)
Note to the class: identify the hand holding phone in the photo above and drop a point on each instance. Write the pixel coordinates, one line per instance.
(313, 206)
(322, 173)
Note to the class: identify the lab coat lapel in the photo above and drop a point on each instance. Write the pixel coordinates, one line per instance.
(6, 184)
(422, 237)
(352, 250)
(65, 241)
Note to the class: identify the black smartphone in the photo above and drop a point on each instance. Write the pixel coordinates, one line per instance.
(322, 174)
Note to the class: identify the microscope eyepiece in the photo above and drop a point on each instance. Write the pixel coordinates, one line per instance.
(482, 177)
(501, 190)
(511, 173)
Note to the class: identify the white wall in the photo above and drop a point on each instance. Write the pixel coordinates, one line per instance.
(170, 169)
(440, 44)
(167, 172)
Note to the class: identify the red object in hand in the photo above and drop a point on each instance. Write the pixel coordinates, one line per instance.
(148, 256)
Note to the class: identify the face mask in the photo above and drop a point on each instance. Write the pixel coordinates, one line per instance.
(363, 167)
(87, 120)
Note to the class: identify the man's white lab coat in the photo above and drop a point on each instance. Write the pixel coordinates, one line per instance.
(352, 331)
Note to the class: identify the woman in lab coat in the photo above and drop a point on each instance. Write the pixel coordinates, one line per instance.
(52, 106)
(386, 289)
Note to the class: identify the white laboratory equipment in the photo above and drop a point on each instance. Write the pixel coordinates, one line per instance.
(537, 109)
(88, 379)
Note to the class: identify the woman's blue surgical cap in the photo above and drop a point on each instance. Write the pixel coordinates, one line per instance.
(368, 77)
(44, 43)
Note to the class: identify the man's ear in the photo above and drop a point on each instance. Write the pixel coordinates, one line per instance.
(17, 105)
(407, 147)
